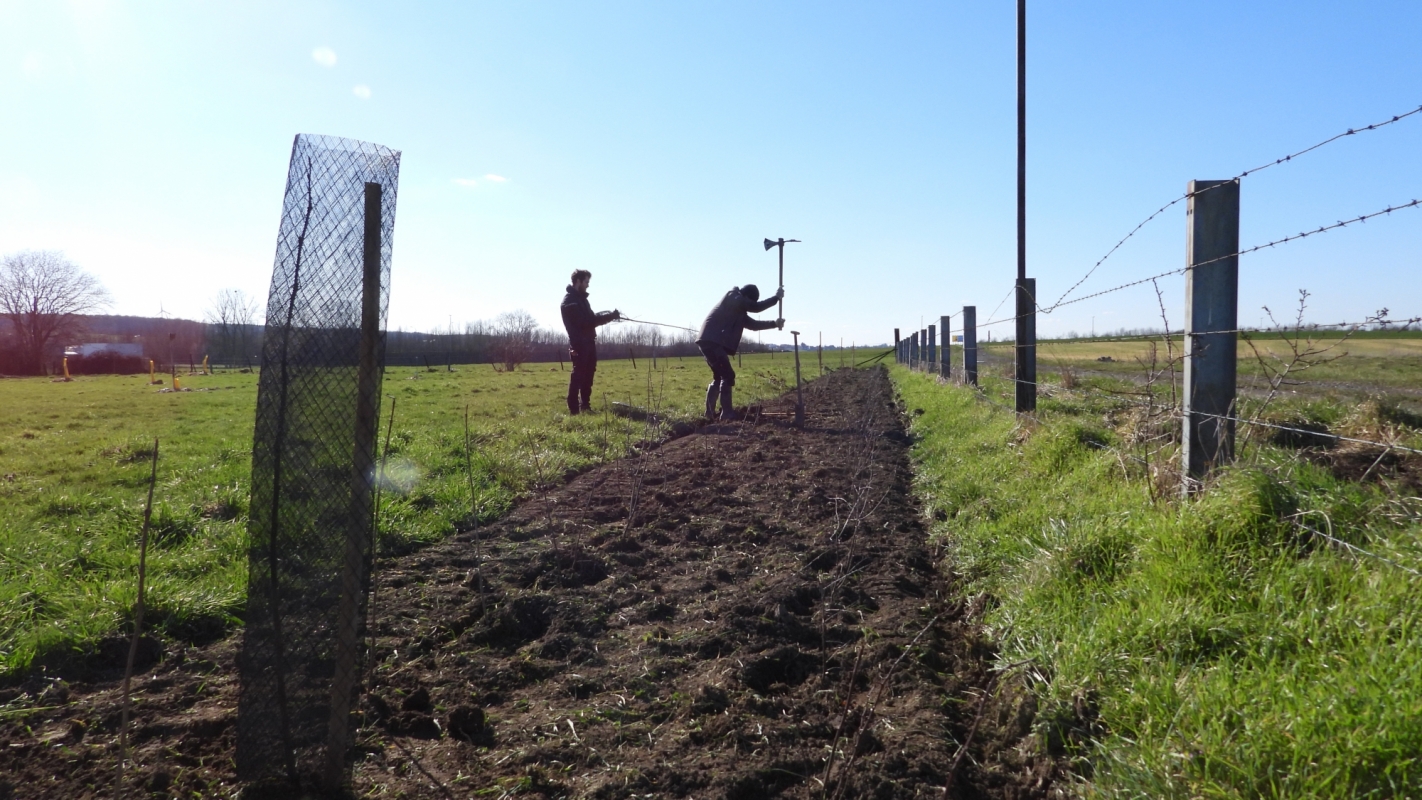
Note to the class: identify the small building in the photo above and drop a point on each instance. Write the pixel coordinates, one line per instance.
(98, 348)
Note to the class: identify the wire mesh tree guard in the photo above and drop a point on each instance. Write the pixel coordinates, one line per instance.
(313, 458)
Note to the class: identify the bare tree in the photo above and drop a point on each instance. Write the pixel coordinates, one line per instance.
(230, 319)
(514, 333)
(43, 294)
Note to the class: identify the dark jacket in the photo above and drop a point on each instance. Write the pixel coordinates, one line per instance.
(579, 319)
(730, 317)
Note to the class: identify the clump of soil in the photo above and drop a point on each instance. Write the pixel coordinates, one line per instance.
(748, 612)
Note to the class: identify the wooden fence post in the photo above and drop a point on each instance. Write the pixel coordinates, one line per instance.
(932, 346)
(1025, 348)
(970, 344)
(945, 361)
(1211, 319)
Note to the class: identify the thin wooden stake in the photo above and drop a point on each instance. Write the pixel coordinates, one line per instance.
(473, 507)
(137, 617)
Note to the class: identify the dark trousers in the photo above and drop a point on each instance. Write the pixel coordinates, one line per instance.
(722, 376)
(580, 384)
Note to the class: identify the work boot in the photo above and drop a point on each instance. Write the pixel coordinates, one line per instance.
(728, 409)
(711, 401)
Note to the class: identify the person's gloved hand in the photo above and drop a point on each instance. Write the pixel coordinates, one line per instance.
(780, 324)
(616, 314)
(780, 293)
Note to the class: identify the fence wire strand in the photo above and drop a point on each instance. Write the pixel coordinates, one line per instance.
(1282, 160)
(1186, 269)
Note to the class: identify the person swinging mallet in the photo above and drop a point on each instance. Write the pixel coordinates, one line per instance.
(720, 338)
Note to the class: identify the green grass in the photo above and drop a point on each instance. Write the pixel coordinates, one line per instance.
(74, 466)
(1200, 648)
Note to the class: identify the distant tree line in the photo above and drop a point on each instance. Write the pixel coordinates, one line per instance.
(515, 338)
(48, 304)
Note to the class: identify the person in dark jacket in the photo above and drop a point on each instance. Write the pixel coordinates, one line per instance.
(720, 338)
(582, 325)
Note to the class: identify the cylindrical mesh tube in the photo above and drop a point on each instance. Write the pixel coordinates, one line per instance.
(310, 512)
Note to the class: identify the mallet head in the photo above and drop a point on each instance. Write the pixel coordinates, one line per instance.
(769, 243)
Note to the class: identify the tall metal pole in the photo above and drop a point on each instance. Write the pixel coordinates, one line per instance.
(1025, 347)
(1021, 139)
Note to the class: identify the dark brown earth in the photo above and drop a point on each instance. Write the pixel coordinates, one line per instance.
(751, 611)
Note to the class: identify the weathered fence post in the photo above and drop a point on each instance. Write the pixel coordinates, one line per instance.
(922, 346)
(799, 392)
(945, 361)
(898, 347)
(354, 572)
(915, 351)
(1211, 319)
(932, 346)
(1025, 348)
(970, 344)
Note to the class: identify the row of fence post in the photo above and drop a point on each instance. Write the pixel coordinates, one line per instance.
(925, 350)
(1210, 333)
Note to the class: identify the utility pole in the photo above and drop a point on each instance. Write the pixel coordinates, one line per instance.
(1025, 348)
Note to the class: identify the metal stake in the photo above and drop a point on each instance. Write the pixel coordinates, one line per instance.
(799, 392)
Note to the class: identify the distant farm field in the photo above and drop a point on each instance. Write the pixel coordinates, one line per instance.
(74, 466)
(1371, 363)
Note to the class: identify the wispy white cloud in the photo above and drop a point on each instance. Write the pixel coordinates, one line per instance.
(466, 182)
(324, 56)
(495, 178)
(362, 91)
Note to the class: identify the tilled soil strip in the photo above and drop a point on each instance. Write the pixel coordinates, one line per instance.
(750, 611)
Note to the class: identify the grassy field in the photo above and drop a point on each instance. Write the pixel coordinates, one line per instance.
(74, 466)
(1211, 647)
(1370, 363)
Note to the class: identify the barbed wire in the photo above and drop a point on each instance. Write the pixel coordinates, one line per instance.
(1183, 270)
(1356, 549)
(1180, 414)
(1003, 300)
(1306, 432)
(1283, 160)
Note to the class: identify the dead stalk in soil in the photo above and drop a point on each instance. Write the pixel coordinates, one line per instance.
(866, 717)
(968, 740)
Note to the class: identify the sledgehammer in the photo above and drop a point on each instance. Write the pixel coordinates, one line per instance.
(780, 243)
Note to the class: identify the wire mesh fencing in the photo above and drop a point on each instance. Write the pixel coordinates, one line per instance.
(311, 518)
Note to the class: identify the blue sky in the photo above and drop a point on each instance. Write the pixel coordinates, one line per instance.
(656, 144)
